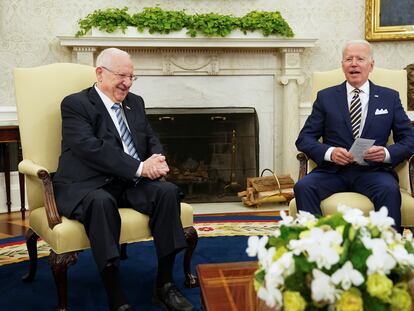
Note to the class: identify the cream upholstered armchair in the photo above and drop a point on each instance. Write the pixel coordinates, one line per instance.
(397, 80)
(39, 92)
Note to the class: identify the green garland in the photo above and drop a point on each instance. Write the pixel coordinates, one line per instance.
(157, 20)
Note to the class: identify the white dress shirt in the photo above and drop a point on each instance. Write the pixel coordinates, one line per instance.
(108, 105)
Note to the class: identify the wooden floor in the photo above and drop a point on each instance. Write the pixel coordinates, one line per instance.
(12, 225)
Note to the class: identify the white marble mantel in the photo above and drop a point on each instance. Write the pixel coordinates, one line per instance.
(245, 58)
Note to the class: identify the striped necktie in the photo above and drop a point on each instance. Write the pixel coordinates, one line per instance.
(125, 134)
(355, 110)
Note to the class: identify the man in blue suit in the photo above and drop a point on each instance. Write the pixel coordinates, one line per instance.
(342, 113)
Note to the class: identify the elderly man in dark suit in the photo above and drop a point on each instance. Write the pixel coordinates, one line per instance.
(111, 158)
(342, 113)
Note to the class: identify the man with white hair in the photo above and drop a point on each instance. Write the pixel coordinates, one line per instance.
(111, 158)
(341, 114)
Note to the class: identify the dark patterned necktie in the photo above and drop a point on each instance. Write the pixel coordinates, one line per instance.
(125, 134)
(355, 110)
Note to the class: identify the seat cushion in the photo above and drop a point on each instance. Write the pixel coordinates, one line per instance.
(353, 199)
(70, 235)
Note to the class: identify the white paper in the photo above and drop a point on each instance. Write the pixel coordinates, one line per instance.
(358, 148)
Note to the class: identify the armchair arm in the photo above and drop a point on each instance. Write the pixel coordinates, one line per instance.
(30, 168)
(303, 164)
(411, 172)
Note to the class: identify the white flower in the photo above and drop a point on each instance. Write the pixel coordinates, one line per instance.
(272, 296)
(286, 220)
(381, 263)
(287, 264)
(322, 287)
(408, 235)
(305, 219)
(274, 276)
(402, 256)
(354, 216)
(266, 257)
(256, 245)
(320, 246)
(346, 276)
(376, 245)
(380, 219)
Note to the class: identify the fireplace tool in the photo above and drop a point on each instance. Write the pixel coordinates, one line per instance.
(233, 185)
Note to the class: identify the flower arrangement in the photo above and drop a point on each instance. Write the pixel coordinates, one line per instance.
(344, 262)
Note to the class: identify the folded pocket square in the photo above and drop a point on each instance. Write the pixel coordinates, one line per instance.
(381, 111)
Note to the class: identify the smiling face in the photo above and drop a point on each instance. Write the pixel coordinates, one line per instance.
(357, 63)
(114, 77)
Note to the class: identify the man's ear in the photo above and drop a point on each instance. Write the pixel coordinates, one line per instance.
(98, 72)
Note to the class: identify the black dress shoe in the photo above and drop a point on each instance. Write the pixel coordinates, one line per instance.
(169, 297)
(125, 307)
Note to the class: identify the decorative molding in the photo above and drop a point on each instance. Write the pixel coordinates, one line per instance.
(190, 64)
(169, 42)
(8, 115)
(286, 79)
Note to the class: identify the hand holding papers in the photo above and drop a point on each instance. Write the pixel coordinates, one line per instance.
(358, 148)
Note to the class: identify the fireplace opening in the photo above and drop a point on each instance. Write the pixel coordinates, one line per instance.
(210, 151)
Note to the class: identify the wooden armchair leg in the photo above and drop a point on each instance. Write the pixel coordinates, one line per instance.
(31, 244)
(191, 236)
(59, 264)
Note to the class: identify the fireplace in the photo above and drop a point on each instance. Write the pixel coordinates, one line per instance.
(210, 151)
(239, 71)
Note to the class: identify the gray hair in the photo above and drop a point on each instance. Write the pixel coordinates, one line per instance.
(104, 58)
(359, 42)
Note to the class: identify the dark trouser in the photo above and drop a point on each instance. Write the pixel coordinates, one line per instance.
(380, 187)
(99, 214)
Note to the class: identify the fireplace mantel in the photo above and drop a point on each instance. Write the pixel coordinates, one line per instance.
(186, 42)
(280, 58)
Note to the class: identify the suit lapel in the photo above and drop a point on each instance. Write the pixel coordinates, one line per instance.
(373, 104)
(342, 100)
(100, 106)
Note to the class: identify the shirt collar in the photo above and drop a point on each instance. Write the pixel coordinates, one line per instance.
(106, 100)
(364, 88)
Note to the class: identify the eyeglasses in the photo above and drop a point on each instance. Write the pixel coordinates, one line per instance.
(121, 75)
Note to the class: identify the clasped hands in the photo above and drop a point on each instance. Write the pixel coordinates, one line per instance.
(342, 157)
(155, 167)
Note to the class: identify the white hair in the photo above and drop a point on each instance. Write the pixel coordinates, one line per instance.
(359, 42)
(105, 58)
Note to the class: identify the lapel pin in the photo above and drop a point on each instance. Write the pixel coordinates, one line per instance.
(376, 96)
(127, 107)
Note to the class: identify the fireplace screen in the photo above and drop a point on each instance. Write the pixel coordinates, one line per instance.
(210, 151)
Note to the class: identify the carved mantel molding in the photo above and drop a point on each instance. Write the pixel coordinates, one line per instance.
(229, 56)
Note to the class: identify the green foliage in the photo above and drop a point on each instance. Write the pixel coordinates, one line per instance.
(288, 233)
(373, 303)
(302, 264)
(334, 221)
(296, 283)
(107, 20)
(157, 20)
(269, 23)
(358, 254)
(212, 25)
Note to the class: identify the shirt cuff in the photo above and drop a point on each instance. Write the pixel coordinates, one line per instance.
(387, 156)
(328, 154)
(139, 170)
